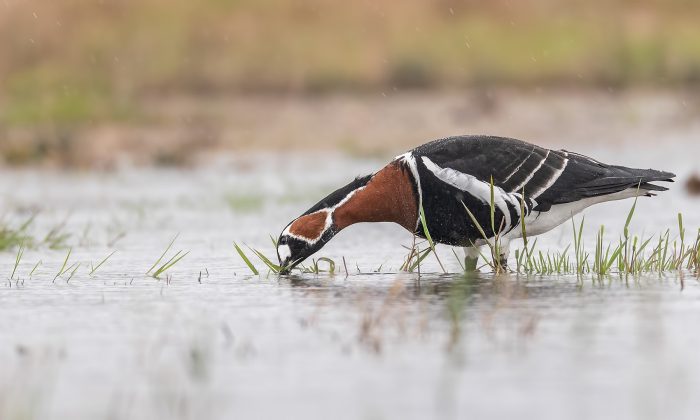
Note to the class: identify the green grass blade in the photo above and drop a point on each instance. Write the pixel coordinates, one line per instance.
(476, 222)
(163, 255)
(73, 271)
(97, 267)
(165, 267)
(63, 267)
(18, 260)
(272, 266)
(331, 264)
(459, 260)
(492, 208)
(420, 259)
(34, 269)
(426, 232)
(245, 259)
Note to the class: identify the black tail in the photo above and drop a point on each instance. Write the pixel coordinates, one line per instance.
(585, 177)
(620, 178)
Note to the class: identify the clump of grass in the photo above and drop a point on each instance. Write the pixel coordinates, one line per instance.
(272, 266)
(11, 237)
(157, 269)
(628, 256)
(415, 255)
(65, 268)
(604, 261)
(580, 255)
(314, 268)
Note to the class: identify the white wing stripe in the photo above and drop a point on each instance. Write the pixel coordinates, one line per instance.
(522, 184)
(518, 167)
(553, 179)
(472, 185)
(411, 162)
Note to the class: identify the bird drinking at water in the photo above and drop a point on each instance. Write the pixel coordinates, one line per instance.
(539, 187)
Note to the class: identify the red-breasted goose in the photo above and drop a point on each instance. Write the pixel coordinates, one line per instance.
(448, 174)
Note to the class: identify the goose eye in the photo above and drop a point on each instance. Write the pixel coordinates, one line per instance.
(283, 241)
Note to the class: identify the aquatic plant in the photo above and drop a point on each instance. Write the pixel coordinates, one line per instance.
(65, 267)
(11, 237)
(625, 257)
(245, 258)
(314, 268)
(157, 269)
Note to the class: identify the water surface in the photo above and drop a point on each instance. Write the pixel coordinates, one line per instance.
(212, 341)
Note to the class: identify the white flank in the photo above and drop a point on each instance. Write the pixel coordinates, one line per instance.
(541, 222)
(522, 184)
(472, 185)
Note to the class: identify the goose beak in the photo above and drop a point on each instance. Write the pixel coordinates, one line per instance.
(287, 265)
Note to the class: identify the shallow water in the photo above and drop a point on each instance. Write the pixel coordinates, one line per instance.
(212, 341)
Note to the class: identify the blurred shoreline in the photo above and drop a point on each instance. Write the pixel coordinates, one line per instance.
(185, 130)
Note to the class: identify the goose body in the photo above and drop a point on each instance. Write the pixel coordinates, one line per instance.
(540, 186)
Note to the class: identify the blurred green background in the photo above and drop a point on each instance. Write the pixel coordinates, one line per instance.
(66, 64)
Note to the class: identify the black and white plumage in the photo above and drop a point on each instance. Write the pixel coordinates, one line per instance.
(556, 184)
(448, 174)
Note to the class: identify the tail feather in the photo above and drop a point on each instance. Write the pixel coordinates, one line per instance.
(621, 178)
(614, 179)
(584, 178)
(646, 186)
